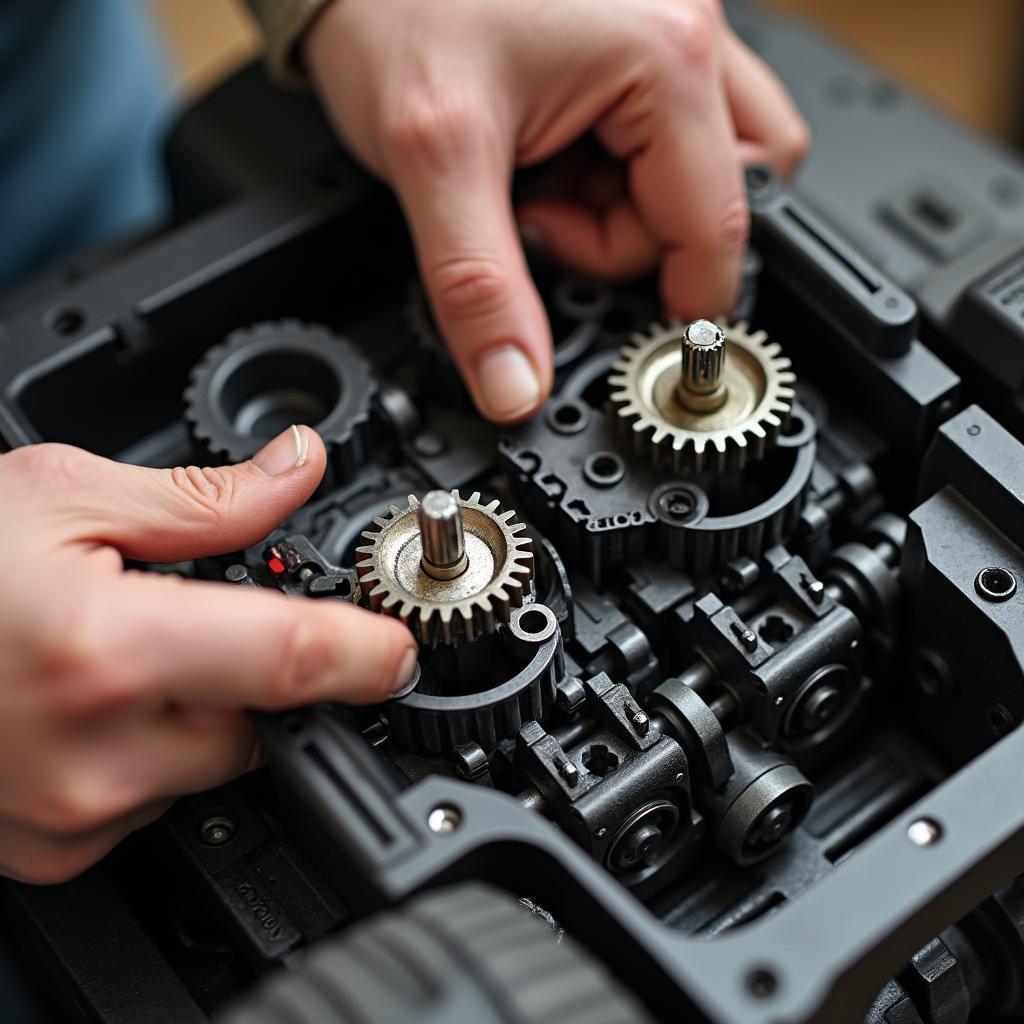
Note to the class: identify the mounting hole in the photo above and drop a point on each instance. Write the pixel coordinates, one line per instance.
(567, 417)
(995, 583)
(444, 818)
(1000, 720)
(217, 830)
(776, 630)
(599, 760)
(924, 832)
(679, 504)
(533, 620)
(762, 982)
(67, 321)
(603, 469)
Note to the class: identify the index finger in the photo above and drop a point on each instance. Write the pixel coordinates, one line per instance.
(196, 642)
(685, 172)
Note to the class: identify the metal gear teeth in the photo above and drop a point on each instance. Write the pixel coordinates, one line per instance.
(680, 449)
(435, 621)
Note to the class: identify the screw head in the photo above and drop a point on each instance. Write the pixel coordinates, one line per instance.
(924, 832)
(995, 584)
(444, 818)
(217, 830)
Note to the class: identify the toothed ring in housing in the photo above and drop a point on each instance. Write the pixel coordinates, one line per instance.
(450, 570)
(698, 397)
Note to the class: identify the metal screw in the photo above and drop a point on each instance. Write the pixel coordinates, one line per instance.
(569, 772)
(746, 637)
(441, 534)
(815, 589)
(444, 819)
(236, 574)
(642, 723)
(217, 830)
(924, 832)
(601, 833)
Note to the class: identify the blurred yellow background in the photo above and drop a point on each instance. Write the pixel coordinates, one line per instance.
(963, 54)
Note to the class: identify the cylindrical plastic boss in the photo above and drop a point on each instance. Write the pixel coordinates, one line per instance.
(441, 535)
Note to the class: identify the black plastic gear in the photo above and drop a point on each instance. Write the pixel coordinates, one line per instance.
(262, 379)
(464, 955)
(522, 667)
(612, 509)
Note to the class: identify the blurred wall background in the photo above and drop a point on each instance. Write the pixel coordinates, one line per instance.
(965, 54)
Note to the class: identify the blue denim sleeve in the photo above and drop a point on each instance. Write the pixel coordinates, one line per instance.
(84, 103)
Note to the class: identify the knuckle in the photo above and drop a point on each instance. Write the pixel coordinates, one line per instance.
(794, 143)
(79, 665)
(430, 126)
(469, 286)
(59, 464)
(208, 491)
(73, 806)
(306, 659)
(685, 33)
(729, 230)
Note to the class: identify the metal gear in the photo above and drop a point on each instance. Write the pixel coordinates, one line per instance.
(261, 379)
(451, 568)
(695, 397)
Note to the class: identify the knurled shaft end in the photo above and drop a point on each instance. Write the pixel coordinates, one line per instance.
(441, 535)
(703, 345)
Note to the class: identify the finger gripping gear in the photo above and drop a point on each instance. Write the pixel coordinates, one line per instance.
(697, 397)
(451, 569)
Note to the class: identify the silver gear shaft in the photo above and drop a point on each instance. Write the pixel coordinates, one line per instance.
(719, 404)
(450, 568)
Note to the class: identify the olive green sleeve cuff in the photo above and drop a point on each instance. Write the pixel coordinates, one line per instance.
(283, 23)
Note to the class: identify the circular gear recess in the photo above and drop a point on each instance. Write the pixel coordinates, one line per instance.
(697, 431)
(264, 378)
(495, 578)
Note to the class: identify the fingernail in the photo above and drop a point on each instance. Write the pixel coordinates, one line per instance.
(407, 668)
(507, 383)
(288, 450)
(532, 235)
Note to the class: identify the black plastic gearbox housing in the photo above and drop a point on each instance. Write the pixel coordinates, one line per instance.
(745, 747)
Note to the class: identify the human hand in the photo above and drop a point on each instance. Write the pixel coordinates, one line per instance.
(121, 690)
(444, 98)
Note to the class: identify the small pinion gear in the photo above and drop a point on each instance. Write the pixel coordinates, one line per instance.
(695, 397)
(476, 588)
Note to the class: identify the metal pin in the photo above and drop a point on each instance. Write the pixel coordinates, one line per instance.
(700, 382)
(441, 534)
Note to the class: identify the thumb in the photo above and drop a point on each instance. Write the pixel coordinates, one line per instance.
(456, 196)
(169, 515)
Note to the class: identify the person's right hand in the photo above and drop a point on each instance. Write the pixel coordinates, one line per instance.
(121, 690)
(445, 98)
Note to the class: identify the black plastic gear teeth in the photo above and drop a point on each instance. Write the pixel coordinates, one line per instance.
(264, 378)
(430, 720)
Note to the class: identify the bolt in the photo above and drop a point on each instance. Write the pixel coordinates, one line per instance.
(569, 772)
(924, 832)
(444, 819)
(236, 574)
(746, 637)
(601, 833)
(442, 537)
(641, 723)
(217, 831)
(305, 574)
(814, 589)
